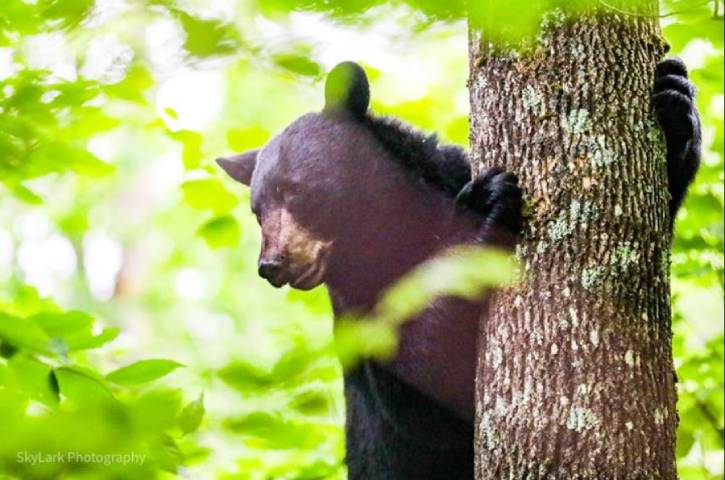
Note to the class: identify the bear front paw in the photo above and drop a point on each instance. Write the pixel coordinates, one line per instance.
(495, 194)
(673, 101)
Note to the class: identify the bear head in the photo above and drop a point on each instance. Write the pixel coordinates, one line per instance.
(312, 183)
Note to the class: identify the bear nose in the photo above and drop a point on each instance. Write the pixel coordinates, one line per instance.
(270, 270)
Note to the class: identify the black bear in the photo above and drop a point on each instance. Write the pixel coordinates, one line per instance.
(356, 201)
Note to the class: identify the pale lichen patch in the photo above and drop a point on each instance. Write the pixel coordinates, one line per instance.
(580, 213)
(574, 315)
(592, 277)
(549, 21)
(496, 357)
(487, 431)
(581, 419)
(625, 254)
(594, 337)
(560, 229)
(501, 406)
(520, 252)
(656, 138)
(554, 349)
(576, 121)
(659, 417)
(603, 157)
(583, 212)
(599, 154)
(629, 358)
(579, 52)
(583, 389)
(531, 97)
(481, 82)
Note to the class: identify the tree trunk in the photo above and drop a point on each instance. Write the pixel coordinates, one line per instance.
(575, 376)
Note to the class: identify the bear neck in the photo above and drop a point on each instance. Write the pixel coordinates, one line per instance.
(420, 225)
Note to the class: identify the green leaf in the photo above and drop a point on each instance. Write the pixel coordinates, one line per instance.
(207, 37)
(35, 378)
(246, 377)
(58, 324)
(74, 329)
(208, 194)
(356, 339)
(312, 401)
(685, 440)
(81, 386)
(142, 371)
(220, 232)
(87, 341)
(241, 139)
(157, 409)
(23, 333)
(56, 156)
(192, 414)
(171, 112)
(462, 271)
(293, 363)
(13, 404)
(137, 81)
(69, 13)
(298, 64)
(169, 454)
(25, 194)
(191, 154)
(273, 431)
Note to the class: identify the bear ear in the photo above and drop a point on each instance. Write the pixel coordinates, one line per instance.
(240, 167)
(347, 89)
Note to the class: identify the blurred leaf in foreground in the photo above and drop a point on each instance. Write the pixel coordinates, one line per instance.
(465, 272)
(142, 371)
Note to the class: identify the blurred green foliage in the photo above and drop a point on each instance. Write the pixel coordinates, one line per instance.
(55, 402)
(464, 272)
(124, 331)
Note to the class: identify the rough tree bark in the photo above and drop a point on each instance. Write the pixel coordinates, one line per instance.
(575, 377)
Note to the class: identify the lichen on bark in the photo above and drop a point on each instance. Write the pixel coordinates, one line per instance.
(575, 377)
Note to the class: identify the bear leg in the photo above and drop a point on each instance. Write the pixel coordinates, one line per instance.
(673, 101)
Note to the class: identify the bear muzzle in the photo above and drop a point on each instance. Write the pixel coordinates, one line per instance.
(272, 271)
(305, 276)
(291, 254)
